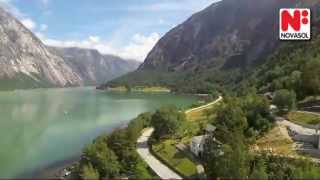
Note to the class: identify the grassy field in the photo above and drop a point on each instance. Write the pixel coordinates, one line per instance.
(151, 89)
(141, 89)
(202, 113)
(168, 153)
(118, 89)
(278, 141)
(304, 118)
(177, 160)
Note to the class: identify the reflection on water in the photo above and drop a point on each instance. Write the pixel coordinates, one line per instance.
(40, 127)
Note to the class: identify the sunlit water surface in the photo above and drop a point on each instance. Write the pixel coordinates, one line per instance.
(44, 126)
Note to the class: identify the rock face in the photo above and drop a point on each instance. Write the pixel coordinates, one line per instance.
(228, 34)
(93, 67)
(26, 63)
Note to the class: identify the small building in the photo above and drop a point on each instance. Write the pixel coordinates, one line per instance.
(210, 129)
(197, 145)
(269, 95)
(273, 109)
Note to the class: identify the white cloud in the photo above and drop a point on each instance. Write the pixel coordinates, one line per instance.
(140, 46)
(94, 39)
(43, 27)
(6, 4)
(29, 23)
(173, 5)
(137, 48)
(162, 21)
(45, 2)
(24, 19)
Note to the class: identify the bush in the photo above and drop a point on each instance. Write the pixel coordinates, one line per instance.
(167, 122)
(110, 156)
(285, 99)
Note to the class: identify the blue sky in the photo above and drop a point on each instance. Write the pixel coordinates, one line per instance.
(127, 28)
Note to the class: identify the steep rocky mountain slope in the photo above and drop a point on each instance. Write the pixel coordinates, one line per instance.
(93, 67)
(26, 63)
(234, 32)
(216, 46)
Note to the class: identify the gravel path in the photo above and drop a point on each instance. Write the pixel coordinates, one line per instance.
(205, 106)
(297, 128)
(158, 167)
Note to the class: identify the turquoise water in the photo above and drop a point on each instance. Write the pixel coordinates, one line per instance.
(44, 126)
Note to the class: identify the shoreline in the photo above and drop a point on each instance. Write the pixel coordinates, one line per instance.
(52, 171)
(56, 170)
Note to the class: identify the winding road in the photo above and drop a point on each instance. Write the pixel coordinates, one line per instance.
(205, 106)
(158, 167)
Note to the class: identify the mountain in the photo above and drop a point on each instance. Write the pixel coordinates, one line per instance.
(26, 62)
(214, 47)
(93, 67)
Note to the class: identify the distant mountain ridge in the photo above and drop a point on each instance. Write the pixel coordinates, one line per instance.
(93, 67)
(214, 47)
(25, 62)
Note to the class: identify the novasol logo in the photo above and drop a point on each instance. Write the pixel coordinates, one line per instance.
(295, 24)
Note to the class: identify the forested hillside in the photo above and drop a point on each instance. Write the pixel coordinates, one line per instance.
(212, 49)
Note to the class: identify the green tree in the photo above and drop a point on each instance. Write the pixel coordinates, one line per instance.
(89, 173)
(256, 109)
(296, 83)
(311, 77)
(259, 170)
(166, 122)
(231, 159)
(124, 149)
(230, 119)
(136, 126)
(103, 159)
(226, 161)
(285, 99)
(128, 87)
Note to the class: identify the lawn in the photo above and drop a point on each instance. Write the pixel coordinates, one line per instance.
(304, 118)
(145, 172)
(151, 89)
(118, 89)
(178, 160)
(168, 153)
(154, 89)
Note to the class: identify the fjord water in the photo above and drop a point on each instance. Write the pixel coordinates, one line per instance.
(44, 126)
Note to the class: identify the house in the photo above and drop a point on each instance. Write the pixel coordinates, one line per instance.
(197, 143)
